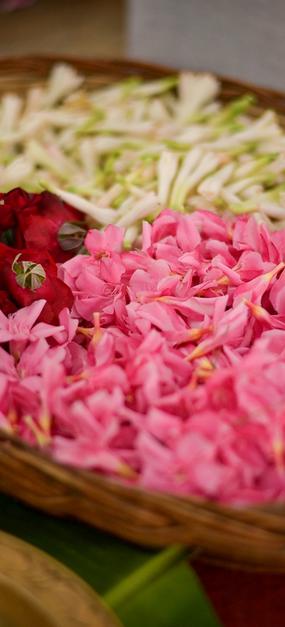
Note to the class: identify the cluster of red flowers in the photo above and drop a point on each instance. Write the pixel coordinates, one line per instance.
(36, 232)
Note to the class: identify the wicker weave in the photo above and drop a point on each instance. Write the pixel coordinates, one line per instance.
(253, 537)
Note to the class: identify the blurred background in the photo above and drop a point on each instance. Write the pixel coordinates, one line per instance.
(242, 39)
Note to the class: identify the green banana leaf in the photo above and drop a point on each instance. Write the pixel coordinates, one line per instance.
(144, 587)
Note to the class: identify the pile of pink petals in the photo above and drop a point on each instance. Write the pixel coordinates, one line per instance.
(169, 371)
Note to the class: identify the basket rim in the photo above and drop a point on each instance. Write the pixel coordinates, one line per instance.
(35, 457)
(129, 65)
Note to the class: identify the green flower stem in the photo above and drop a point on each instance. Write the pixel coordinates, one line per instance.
(148, 572)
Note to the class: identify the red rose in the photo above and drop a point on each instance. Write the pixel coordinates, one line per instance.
(8, 204)
(28, 275)
(42, 222)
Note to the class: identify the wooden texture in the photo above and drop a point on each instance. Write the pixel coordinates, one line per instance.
(37, 590)
(254, 537)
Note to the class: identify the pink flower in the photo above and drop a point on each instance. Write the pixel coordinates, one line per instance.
(255, 289)
(169, 371)
(20, 327)
(81, 453)
(95, 284)
(230, 331)
(277, 294)
(101, 243)
(31, 360)
(249, 235)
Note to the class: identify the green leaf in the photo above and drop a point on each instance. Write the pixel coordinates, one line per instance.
(144, 575)
(175, 599)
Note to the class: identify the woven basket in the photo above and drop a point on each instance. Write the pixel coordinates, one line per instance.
(253, 537)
